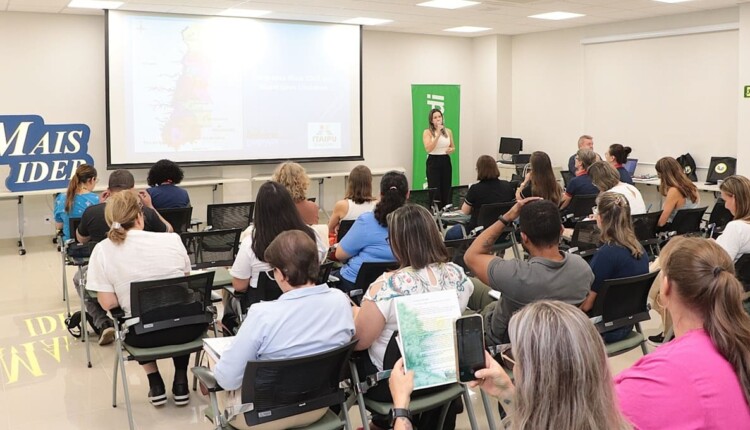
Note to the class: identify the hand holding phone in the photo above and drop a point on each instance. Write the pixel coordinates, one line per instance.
(469, 346)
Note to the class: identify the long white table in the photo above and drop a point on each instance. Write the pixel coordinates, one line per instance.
(322, 176)
(702, 186)
(18, 196)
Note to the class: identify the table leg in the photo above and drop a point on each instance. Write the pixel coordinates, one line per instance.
(320, 197)
(21, 244)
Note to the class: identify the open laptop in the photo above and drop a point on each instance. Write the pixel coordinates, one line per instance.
(630, 165)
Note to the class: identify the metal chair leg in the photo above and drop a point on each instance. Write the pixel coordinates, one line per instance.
(114, 378)
(127, 393)
(66, 299)
(345, 413)
(470, 409)
(488, 410)
(84, 320)
(360, 396)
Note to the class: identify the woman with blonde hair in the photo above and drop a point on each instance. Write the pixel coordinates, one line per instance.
(294, 177)
(562, 378)
(130, 254)
(620, 256)
(357, 200)
(76, 199)
(540, 181)
(605, 178)
(701, 379)
(676, 188)
(735, 239)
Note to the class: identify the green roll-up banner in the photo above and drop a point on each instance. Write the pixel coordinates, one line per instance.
(424, 98)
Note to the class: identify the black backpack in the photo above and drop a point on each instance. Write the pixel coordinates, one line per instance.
(688, 165)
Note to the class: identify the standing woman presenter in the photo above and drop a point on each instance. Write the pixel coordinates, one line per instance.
(438, 142)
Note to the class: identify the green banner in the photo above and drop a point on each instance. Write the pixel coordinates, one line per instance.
(424, 98)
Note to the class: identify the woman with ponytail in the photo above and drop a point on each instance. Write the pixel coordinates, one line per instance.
(367, 240)
(78, 197)
(620, 256)
(130, 254)
(701, 379)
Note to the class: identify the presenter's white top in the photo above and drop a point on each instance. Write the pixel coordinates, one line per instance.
(355, 210)
(442, 146)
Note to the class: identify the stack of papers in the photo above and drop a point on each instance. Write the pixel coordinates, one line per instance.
(215, 346)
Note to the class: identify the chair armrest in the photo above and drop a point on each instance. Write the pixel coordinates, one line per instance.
(206, 376)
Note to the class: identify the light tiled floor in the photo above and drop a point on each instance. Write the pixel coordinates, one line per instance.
(44, 381)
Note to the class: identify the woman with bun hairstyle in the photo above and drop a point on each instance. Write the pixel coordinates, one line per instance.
(617, 156)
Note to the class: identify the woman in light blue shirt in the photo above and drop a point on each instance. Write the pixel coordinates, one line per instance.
(79, 196)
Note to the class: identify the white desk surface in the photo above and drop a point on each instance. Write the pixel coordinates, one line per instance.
(197, 182)
(702, 186)
(327, 175)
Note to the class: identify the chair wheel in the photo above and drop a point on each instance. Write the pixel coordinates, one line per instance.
(21, 252)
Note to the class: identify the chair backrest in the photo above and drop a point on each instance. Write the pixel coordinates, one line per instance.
(230, 215)
(623, 301)
(325, 272)
(645, 225)
(742, 270)
(720, 216)
(424, 198)
(179, 218)
(370, 271)
(581, 204)
(488, 214)
(283, 388)
(586, 235)
(211, 248)
(268, 289)
(688, 220)
(174, 302)
(73, 224)
(458, 194)
(567, 176)
(344, 227)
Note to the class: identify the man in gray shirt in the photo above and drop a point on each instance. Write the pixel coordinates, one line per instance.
(548, 274)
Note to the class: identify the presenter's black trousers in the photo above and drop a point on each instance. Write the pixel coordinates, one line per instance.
(439, 173)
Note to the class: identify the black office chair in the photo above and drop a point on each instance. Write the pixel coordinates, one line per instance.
(458, 195)
(211, 248)
(624, 302)
(646, 230)
(742, 270)
(425, 198)
(456, 249)
(178, 218)
(229, 215)
(718, 218)
(367, 274)
(567, 176)
(276, 389)
(325, 272)
(344, 227)
(488, 215)
(688, 221)
(586, 239)
(579, 208)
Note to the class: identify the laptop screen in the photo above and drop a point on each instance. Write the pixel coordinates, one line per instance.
(630, 165)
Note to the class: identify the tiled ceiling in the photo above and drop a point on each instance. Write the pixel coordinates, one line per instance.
(507, 17)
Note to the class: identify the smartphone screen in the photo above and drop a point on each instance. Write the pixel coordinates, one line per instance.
(469, 346)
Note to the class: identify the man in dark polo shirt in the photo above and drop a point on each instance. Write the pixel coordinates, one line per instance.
(581, 184)
(94, 228)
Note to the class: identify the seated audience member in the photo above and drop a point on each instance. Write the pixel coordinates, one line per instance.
(119, 260)
(294, 178)
(307, 319)
(275, 213)
(163, 178)
(358, 198)
(676, 188)
(617, 156)
(584, 142)
(701, 379)
(367, 240)
(606, 179)
(94, 228)
(490, 189)
(620, 256)
(424, 267)
(74, 202)
(540, 181)
(562, 378)
(581, 184)
(735, 239)
(547, 274)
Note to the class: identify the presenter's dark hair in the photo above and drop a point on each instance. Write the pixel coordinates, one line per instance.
(165, 171)
(359, 186)
(301, 269)
(487, 168)
(620, 152)
(432, 126)
(275, 213)
(393, 191)
(84, 173)
(540, 222)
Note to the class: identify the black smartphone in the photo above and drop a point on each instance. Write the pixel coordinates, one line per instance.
(469, 345)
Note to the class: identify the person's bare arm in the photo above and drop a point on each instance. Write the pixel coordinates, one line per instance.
(565, 201)
(588, 302)
(339, 211)
(107, 300)
(401, 384)
(369, 322)
(466, 209)
(671, 201)
(240, 285)
(451, 147)
(430, 141)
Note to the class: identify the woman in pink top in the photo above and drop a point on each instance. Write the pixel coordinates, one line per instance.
(701, 379)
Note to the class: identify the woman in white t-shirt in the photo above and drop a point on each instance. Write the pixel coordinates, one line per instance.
(128, 255)
(358, 198)
(419, 249)
(735, 239)
(606, 178)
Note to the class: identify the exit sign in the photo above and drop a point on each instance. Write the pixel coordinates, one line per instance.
(747, 91)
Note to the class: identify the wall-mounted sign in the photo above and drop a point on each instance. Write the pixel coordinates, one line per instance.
(41, 156)
(747, 91)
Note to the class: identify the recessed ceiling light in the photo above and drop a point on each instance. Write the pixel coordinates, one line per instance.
(245, 13)
(556, 16)
(367, 21)
(671, 1)
(95, 4)
(448, 4)
(467, 29)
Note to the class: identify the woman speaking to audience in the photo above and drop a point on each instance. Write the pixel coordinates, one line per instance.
(678, 191)
(701, 379)
(438, 142)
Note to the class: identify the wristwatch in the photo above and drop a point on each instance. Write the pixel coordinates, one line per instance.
(502, 219)
(399, 413)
